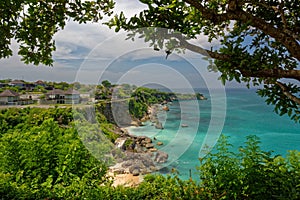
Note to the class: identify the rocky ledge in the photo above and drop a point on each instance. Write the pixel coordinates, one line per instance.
(139, 155)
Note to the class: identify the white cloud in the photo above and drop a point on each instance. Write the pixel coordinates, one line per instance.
(91, 34)
(85, 50)
(130, 8)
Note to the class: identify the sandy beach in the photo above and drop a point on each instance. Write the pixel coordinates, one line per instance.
(127, 180)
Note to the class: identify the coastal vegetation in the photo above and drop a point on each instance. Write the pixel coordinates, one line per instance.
(42, 86)
(143, 97)
(45, 154)
(42, 155)
(50, 158)
(61, 152)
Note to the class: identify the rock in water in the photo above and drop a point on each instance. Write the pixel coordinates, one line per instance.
(158, 125)
(166, 108)
(159, 143)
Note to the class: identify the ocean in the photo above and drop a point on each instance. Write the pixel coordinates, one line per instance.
(192, 127)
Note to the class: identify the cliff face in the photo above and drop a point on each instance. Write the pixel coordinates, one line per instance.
(115, 112)
(105, 109)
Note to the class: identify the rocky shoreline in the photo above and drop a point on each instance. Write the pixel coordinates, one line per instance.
(139, 153)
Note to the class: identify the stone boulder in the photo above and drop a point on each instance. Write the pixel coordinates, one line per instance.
(149, 145)
(138, 149)
(120, 143)
(161, 157)
(135, 170)
(153, 149)
(148, 140)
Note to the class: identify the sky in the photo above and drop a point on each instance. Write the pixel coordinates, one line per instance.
(91, 53)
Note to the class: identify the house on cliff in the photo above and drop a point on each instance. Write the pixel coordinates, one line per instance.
(72, 96)
(58, 96)
(22, 85)
(17, 83)
(9, 97)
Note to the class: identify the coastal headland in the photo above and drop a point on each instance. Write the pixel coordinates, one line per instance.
(141, 154)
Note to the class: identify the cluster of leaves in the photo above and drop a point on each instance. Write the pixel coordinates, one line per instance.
(249, 174)
(97, 136)
(137, 109)
(104, 91)
(124, 91)
(14, 118)
(283, 105)
(33, 24)
(42, 156)
(47, 85)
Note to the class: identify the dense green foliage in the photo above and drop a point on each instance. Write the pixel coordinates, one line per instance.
(44, 87)
(250, 173)
(44, 156)
(103, 91)
(33, 24)
(257, 41)
(143, 97)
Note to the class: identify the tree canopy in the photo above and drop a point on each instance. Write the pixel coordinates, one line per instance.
(33, 23)
(259, 41)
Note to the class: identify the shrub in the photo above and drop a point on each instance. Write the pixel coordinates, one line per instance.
(250, 174)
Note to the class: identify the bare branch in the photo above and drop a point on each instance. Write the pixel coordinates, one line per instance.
(285, 91)
(274, 73)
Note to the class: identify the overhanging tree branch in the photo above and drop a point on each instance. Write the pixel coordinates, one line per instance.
(286, 92)
(205, 52)
(288, 41)
(274, 73)
(261, 42)
(264, 73)
(236, 13)
(210, 14)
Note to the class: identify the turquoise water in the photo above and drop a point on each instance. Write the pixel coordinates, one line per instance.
(244, 113)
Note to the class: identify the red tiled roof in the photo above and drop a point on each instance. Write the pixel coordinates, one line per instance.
(9, 93)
